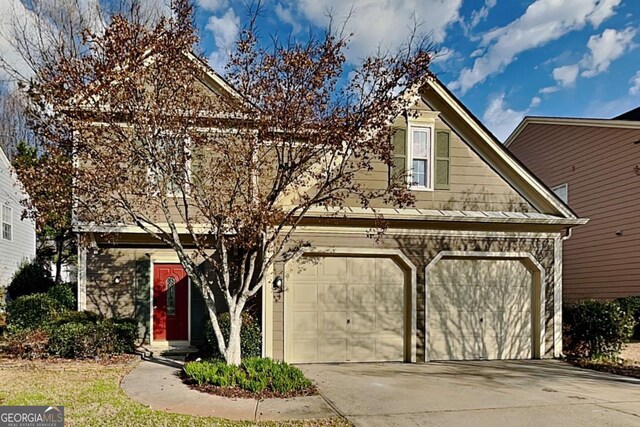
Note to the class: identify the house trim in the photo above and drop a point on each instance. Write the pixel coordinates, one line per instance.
(557, 296)
(430, 163)
(538, 298)
(82, 278)
(410, 330)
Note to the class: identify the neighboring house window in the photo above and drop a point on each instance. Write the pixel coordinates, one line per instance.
(418, 162)
(7, 223)
(562, 191)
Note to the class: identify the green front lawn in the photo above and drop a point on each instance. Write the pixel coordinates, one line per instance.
(91, 395)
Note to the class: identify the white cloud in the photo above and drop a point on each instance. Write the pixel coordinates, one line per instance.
(374, 22)
(443, 55)
(566, 75)
(286, 15)
(605, 48)
(212, 5)
(542, 22)
(477, 16)
(635, 84)
(225, 30)
(549, 89)
(535, 102)
(476, 53)
(500, 118)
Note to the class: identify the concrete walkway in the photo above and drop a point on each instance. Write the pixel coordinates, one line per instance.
(155, 383)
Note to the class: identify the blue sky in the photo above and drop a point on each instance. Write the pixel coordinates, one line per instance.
(503, 58)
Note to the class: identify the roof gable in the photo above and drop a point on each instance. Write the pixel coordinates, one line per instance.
(487, 146)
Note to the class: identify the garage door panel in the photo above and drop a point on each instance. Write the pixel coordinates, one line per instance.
(305, 322)
(507, 347)
(332, 267)
(361, 269)
(389, 321)
(389, 298)
(332, 349)
(305, 294)
(479, 308)
(387, 274)
(455, 322)
(387, 347)
(358, 305)
(362, 349)
(461, 347)
(361, 296)
(334, 323)
(335, 295)
(305, 349)
(362, 322)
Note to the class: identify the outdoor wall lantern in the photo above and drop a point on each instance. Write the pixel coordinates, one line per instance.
(116, 279)
(277, 283)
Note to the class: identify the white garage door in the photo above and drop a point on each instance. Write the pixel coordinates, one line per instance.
(480, 309)
(344, 309)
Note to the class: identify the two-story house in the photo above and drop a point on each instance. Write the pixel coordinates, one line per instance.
(594, 166)
(472, 271)
(17, 235)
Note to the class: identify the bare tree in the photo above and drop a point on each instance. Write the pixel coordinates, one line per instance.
(223, 177)
(42, 32)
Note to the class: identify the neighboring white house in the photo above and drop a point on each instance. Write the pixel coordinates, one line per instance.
(17, 236)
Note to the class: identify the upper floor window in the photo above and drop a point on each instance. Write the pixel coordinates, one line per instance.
(171, 171)
(562, 191)
(420, 161)
(421, 157)
(7, 223)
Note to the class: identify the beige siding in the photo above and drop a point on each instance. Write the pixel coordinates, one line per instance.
(420, 250)
(474, 185)
(598, 165)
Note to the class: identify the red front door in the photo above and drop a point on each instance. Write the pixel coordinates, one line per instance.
(170, 303)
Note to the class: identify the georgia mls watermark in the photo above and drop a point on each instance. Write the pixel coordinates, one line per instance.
(31, 416)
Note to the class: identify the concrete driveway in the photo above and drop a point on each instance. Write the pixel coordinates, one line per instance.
(522, 393)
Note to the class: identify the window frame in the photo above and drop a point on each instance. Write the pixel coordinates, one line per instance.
(3, 223)
(188, 173)
(566, 189)
(430, 161)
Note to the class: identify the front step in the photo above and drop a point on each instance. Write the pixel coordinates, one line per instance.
(175, 353)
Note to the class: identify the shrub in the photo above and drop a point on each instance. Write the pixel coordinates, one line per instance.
(126, 333)
(93, 338)
(28, 343)
(65, 294)
(31, 312)
(631, 306)
(250, 336)
(70, 316)
(255, 374)
(596, 328)
(32, 277)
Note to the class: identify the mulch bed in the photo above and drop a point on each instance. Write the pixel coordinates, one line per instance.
(238, 393)
(618, 368)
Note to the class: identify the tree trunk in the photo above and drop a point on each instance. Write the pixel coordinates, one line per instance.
(59, 249)
(234, 356)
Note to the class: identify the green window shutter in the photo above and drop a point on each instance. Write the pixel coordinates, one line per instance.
(142, 297)
(399, 169)
(442, 160)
